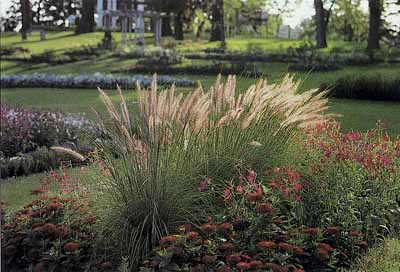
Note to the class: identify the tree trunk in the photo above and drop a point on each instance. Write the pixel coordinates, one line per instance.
(375, 12)
(321, 22)
(87, 23)
(178, 24)
(217, 22)
(166, 29)
(26, 11)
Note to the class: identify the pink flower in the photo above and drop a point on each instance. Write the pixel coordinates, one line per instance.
(297, 187)
(227, 194)
(251, 176)
(239, 189)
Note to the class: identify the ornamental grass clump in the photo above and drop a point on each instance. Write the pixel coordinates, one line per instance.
(157, 155)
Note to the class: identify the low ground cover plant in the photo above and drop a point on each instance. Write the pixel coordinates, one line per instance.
(84, 81)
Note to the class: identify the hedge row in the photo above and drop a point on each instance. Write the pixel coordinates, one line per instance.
(378, 87)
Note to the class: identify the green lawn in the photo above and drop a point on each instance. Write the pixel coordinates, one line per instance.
(357, 114)
(384, 257)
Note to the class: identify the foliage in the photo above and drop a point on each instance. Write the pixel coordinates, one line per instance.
(84, 81)
(8, 51)
(53, 232)
(160, 56)
(171, 141)
(37, 161)
(376, 87)
(354, 180)
(319, 219)
(254, 229)
(307, 58)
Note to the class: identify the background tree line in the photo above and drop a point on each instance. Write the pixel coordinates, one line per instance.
(342, 17)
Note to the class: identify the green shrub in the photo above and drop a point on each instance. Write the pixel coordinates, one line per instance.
(158, 154)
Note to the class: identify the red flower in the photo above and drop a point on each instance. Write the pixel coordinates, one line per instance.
(55, 205)
(251, 176)
(193, 235)
(326, 247)
(239, 189)
(254, 196)
(203, 185)
(362, 244)
(91, 219)
(265, 245)
(322, 254)
(7, 227)
(242, 266)
(50, 228)
(167, 240)
(234, 258)
(276, 267)
(209, 259)
(278, 221)
(256, 264)
(332, 230)
(265, 208)
(63, 231)
(227, 194)
(225, 247)
(71, 246)
(208, 228)
(224, 227)
(311, 231)
(354, 233)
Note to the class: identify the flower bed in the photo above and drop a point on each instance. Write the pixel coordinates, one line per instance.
(26, 135)
(54, 232)
(85, 81)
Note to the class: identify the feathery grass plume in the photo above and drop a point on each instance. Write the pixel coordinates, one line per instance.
(159, 153)
(68, 151)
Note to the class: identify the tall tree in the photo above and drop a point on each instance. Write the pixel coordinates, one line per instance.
(375, 12)
(26, 11)
(322, 17)
(217, 21)
(86, 23)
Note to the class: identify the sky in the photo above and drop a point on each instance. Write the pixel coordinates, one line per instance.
(302, 11)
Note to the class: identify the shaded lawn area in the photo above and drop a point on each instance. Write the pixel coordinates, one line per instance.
(61, 41)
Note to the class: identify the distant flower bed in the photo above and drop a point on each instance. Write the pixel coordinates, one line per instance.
(26, 134)
(85, 81)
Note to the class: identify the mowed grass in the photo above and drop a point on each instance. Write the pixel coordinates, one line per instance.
(357, 114)
(384, 257)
